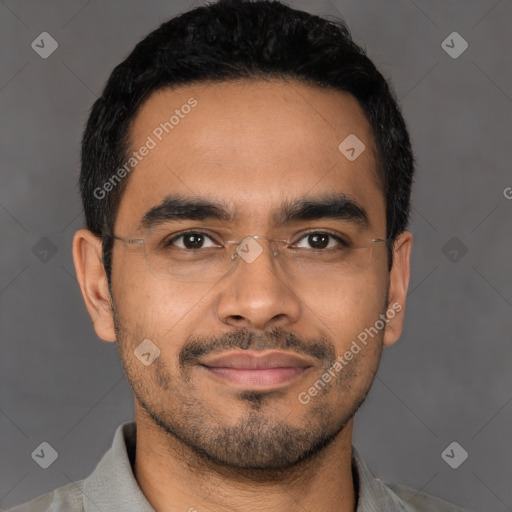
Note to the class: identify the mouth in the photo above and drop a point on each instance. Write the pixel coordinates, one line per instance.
(257, 370)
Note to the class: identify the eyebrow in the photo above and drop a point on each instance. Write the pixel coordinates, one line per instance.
(330, 206)
(327, 206)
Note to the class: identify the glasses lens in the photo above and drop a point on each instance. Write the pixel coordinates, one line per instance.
(187, 256)
(326, 265)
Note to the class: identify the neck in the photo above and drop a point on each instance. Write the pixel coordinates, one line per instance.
(175, 478)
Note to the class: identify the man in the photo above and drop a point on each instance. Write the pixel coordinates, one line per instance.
(246, 180)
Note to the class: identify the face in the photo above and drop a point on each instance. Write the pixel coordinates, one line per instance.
(248, 362)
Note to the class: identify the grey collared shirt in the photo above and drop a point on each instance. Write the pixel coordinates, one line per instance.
(112, 487)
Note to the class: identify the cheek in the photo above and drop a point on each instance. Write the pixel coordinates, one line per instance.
(358, 330)
(158, 308)
(350, 305)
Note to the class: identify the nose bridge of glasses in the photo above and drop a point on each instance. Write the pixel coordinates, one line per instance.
(251, 247)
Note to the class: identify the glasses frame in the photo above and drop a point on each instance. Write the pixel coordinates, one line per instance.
(236, 243)
(135, 241)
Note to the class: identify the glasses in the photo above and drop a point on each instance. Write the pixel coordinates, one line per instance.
(200, 255)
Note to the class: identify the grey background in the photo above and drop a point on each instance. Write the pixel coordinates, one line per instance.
(447, 379)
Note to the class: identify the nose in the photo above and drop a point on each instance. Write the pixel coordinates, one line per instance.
(255, 294)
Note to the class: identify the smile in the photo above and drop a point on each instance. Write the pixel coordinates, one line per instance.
(257, 370)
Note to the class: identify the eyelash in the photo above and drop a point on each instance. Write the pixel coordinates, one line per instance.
(344, 243)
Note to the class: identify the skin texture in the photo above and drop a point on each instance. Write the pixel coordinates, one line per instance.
(201, 442)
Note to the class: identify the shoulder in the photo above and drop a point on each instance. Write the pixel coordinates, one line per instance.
(68, 498)
(417, 501)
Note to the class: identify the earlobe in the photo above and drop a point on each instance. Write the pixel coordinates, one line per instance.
(90, 272)
(398, 285)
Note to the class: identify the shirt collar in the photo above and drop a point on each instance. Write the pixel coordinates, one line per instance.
(112, 485)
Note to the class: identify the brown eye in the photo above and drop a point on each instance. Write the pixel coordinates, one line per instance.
(320, 240)
(191, 241)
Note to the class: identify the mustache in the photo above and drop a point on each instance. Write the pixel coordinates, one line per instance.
(273, 339)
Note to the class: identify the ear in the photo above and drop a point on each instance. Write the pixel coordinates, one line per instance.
(90, 272)
(398, 284)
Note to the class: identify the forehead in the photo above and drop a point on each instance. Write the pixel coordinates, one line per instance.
(251, 144)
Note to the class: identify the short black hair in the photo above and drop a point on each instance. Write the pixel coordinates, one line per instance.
(232, 40)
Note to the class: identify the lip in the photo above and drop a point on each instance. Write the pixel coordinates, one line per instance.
(252, 360)
(257, 370)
